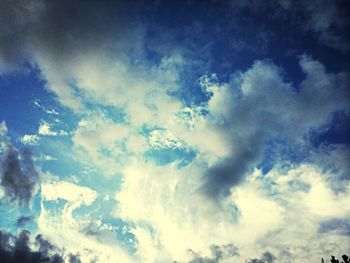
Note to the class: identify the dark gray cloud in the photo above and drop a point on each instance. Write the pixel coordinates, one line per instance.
(267, 257)
(19, 177)
(336, 226)
(259, 106)
(17, 249)
(326, 20)
(61, 29)
(218, 253)
(23, 220)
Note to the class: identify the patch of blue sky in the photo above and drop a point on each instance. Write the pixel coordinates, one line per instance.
(234, 213)
(336, 131)
(269, 157)
(279, 151)
(17, 93)
(100, 208)
(65, 163)
(10, 213)
(97, 181)
(164, 156)
(54, 207)
(122, 229)
(297, 185)
(101, 217)
(166, 148)
(115, 113)
(192, 93)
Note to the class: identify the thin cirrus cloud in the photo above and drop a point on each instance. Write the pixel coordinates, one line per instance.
(190, 141)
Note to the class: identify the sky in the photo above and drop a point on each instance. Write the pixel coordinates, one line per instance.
(157, 131)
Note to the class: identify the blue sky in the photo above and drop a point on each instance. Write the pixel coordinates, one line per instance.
(176, 131)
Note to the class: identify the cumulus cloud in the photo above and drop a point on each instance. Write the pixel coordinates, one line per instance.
(92, 55)
(259, 105)
(171, 219)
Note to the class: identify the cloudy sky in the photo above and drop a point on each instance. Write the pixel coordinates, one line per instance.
(175, 131)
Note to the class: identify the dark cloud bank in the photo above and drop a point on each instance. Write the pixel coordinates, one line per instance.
(60, 29)
(19, 178)
(17, 249)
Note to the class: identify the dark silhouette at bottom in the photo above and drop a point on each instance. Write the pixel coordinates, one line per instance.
(345, 258)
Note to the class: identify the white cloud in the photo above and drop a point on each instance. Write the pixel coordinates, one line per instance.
(98, 140)
(30, 139)
(274, 211)
(164, 139)
(66, 230)
(68, 191)
(52, 111)
(166, 205)
(46, 158)
(45, 129)
(3, 128)
(173, 214)
(3, 135)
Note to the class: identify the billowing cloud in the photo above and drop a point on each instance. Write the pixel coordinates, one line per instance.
(172, 220)
(259, 106)
(160, 152)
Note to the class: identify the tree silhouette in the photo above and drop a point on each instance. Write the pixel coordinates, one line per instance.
(345, 258)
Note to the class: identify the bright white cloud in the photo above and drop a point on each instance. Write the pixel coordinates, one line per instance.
(45, 129)
(3, 128)
(67, 230)
(30, 139)
(99, 140)
(262, 214)
(3, 135)
(164, 139)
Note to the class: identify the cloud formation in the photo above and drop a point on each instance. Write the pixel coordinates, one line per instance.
(259, 106)
(164, 151)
